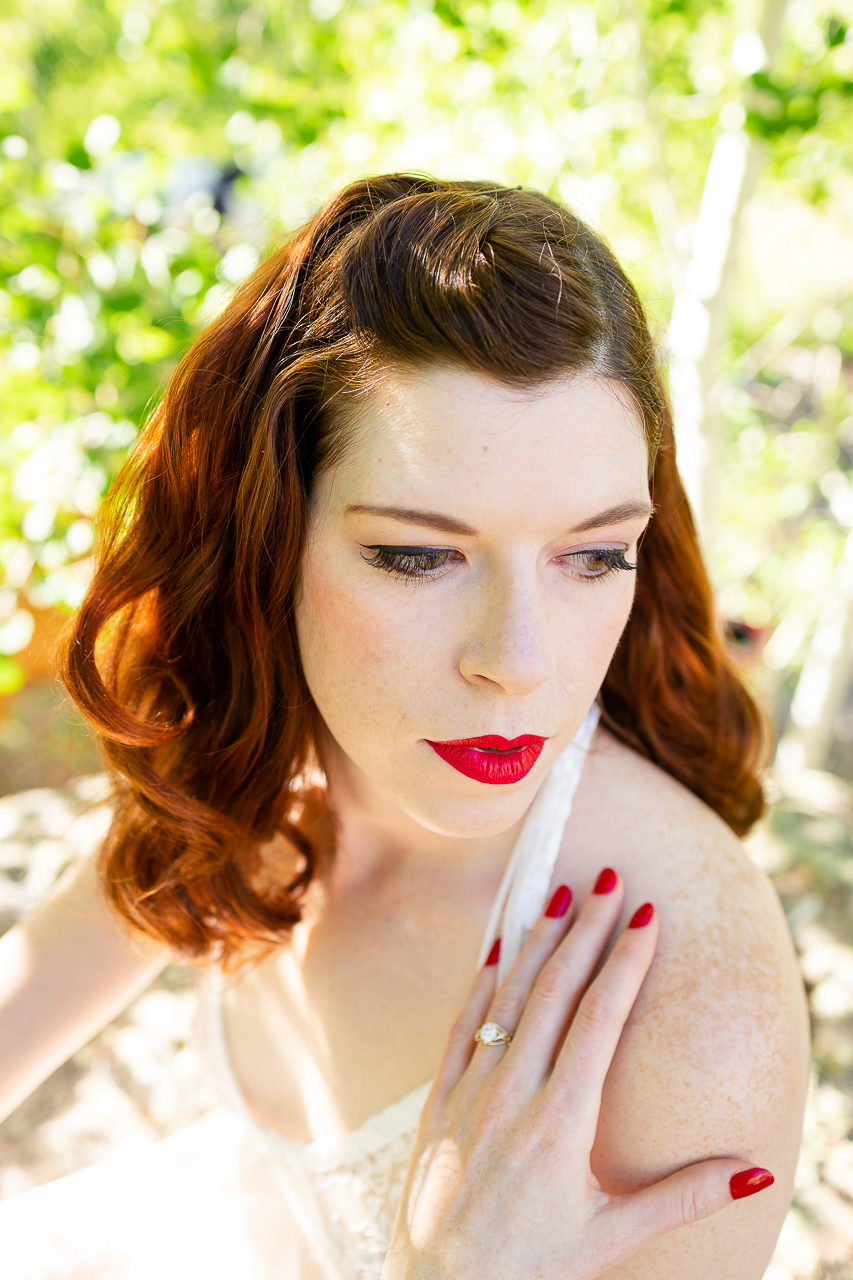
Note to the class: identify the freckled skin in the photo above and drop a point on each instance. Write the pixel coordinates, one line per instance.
(507, 642)
(714, 1058)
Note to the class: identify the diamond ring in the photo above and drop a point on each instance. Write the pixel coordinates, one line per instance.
(492, 1033)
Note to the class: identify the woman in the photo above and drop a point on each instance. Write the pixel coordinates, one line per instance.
(405, 525)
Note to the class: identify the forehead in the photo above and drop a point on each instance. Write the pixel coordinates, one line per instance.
(453, 432)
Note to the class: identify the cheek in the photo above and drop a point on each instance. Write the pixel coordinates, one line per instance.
(590, 636)
(618, 619)
(614, 618)
(358, 650)
(618, 614)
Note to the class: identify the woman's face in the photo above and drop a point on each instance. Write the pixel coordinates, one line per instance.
(462, 578)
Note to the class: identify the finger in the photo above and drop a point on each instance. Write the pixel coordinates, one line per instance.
(696, 1192)
(508, 1003)
(549, 995)
(460, 1042)
(587, 1053)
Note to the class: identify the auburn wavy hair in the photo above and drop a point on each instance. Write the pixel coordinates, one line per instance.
(183, 657)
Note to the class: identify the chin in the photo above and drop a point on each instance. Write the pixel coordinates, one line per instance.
(462, 819)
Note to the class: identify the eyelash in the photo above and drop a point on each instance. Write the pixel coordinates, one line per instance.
(416, 563)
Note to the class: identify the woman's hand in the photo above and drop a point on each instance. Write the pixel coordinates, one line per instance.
(500, 1183)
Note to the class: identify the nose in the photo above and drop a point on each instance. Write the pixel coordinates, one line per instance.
(509, 640)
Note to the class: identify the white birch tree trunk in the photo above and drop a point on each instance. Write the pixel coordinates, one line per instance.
(699, 309)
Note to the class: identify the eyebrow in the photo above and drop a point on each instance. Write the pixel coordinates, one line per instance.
(630, 510)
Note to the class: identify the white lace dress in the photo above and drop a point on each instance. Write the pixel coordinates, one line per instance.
(228, 1199)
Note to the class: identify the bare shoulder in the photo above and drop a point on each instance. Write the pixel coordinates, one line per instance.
(714, 1059)
(669, 847)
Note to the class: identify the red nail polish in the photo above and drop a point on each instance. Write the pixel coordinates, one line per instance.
(559, 904)
(641, 916)
(495, 953)
(606, 882)
(748, 1181)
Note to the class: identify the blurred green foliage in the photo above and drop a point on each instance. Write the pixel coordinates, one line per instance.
(151, 150)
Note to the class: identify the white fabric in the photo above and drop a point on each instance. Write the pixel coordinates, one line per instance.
(228, 1199)
(528, 874)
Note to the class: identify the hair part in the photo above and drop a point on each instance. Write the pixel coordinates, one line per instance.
(183, 656)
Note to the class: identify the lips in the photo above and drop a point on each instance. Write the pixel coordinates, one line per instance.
(491, 759)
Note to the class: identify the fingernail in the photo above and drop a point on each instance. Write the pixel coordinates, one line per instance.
(748, 1181)
(641, 916)
(559, 904)
(495, 953)
(606, 882)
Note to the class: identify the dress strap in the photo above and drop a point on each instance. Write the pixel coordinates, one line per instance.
(525, 882)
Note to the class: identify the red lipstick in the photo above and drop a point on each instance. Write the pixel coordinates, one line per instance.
(491, 758)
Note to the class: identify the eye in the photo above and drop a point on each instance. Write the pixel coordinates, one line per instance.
(411, 562)
(597, 562)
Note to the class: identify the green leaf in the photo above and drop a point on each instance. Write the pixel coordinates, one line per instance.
(12, 676)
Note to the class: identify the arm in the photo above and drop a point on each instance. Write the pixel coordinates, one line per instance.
(714, 1059)
(65, 972)
(715, 1063)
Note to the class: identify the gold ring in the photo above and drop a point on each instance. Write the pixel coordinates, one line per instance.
(492, 1033)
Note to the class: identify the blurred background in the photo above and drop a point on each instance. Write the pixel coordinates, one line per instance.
(152, 151)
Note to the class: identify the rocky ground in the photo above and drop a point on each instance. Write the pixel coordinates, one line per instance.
(139, 1079)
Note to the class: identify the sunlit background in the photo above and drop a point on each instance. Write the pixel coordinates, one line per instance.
(151, 152)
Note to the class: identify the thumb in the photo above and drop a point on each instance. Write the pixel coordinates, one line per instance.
(693, 1193)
